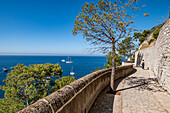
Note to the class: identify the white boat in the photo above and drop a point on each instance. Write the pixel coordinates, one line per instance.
(5, 69)
(69, 61)
(71, 72)
(63, 60)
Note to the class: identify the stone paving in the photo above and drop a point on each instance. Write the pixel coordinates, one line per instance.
(139, 93)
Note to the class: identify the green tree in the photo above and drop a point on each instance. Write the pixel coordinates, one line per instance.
(118, 59)
(61, 82)
(105, 23)
(141, 36)
(25, 85)
(150, 41)
(96, 69)
(126, 47)
(146, 33)
(156, 33)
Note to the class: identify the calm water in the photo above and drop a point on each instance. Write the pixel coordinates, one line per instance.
(82, 65)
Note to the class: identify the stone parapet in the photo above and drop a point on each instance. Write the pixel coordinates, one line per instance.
(78, 96)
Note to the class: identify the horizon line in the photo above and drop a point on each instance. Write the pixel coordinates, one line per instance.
(46, 54)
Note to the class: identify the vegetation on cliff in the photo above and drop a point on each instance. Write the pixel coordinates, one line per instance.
(150, 41)
(157, 27)
(156, 33)
(141, 36)
(25, 85)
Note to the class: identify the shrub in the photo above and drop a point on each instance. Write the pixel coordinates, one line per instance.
(27, 84)
(150, 41)
(133, 59)
(61, 82)
(141, 40)
(156, 33)
(146, 33)
(142, 37)
(97, 69)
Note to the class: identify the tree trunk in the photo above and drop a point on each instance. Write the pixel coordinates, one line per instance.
(113, 68)
(27, 102)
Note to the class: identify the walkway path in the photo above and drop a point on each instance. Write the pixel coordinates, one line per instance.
(138, 93)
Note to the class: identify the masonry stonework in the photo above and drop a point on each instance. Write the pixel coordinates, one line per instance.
(157, 58)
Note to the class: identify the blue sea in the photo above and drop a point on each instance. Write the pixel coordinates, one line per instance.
(82, 65)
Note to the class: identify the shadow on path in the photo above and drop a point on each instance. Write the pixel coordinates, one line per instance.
(141, 83)
(130, 87)
(104, 101)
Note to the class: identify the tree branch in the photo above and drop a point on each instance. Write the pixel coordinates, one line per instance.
(99, 39)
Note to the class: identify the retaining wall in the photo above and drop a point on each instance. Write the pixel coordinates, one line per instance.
(157, 58)
(79, 95)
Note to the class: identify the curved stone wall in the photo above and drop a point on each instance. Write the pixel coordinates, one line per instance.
(79, 95)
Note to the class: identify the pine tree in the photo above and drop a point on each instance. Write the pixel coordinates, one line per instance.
(25, 85)
(126, 47)
(105, 24)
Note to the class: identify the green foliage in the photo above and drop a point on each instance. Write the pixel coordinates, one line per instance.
(146, 33)
(133, 59)
(25, 85)
(126, 47)
(156, 33)
(118, 59)
(141, 36)
(158, 26)
(150, 41)
(105, 22)
(137, 35)
(141, 40)
(61, 82)
(96, 69)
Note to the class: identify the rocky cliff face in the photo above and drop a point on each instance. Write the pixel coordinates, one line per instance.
(157, 58)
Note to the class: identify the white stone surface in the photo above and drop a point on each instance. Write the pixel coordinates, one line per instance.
(157, 58)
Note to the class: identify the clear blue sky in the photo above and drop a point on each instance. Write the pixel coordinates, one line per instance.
(44, 26)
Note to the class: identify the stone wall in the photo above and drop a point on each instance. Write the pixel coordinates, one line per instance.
(157, 58)
(79, 95)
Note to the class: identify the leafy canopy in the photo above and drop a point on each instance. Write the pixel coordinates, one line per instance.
(150, 41)
(25, 85)
(105, 23)
(126, 47)
(141, 36)
(118, 59)
(156, 33)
